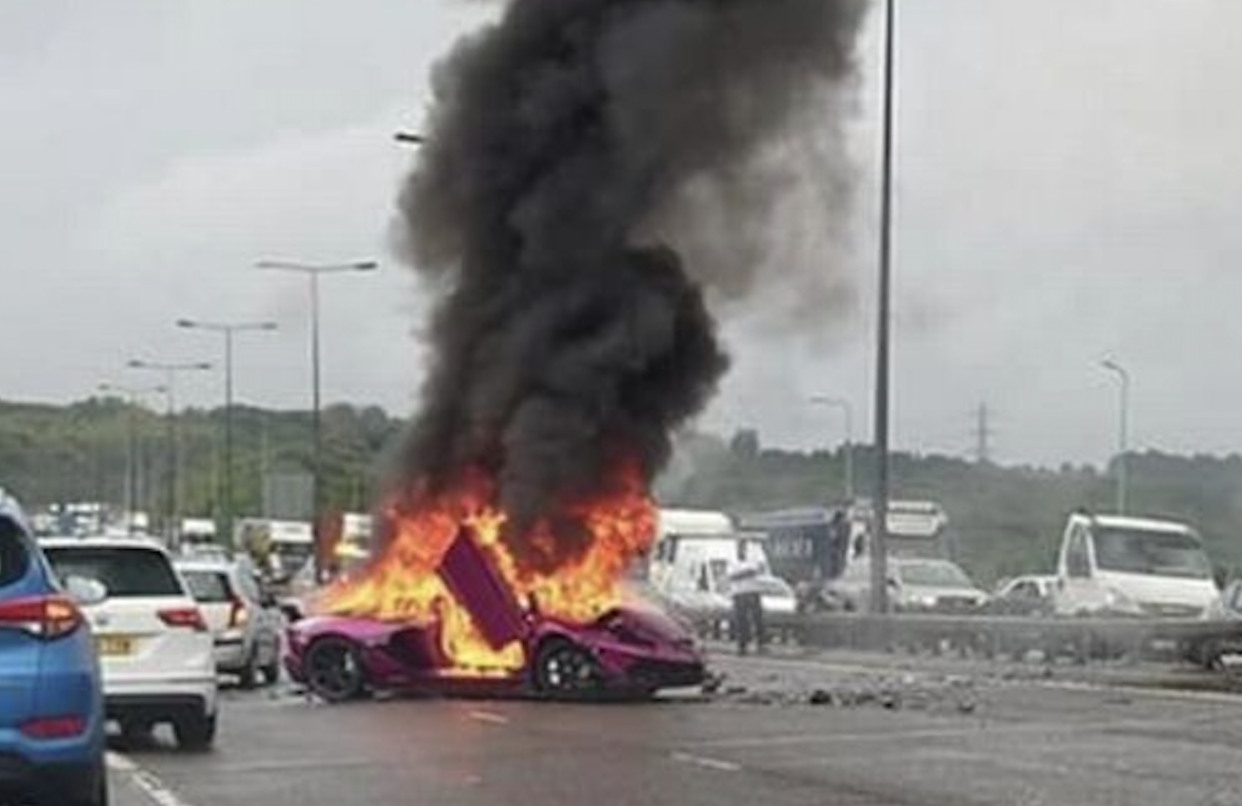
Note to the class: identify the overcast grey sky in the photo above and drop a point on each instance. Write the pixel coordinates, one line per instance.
(1069, 171)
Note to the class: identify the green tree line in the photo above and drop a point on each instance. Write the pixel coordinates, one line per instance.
(81, 452)
(1004, 519)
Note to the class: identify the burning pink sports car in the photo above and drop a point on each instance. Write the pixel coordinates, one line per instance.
(631, 651)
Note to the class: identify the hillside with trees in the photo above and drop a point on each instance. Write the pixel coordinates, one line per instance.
(1005, 519)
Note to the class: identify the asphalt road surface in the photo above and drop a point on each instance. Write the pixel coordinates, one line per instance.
(989, 741)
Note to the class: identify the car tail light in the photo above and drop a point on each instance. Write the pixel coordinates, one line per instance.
(239, 615)
(58, 727)
(41, 616)
(188, 617)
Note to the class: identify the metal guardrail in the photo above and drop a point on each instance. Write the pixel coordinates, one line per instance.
(998, 636)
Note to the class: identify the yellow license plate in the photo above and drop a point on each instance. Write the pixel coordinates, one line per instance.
(116, 645)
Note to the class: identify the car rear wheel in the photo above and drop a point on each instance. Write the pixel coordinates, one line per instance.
(195, 731)
(564, 669)
(334, 670)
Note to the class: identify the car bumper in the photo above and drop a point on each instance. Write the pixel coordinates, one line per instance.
(627, 669)
(170, 693)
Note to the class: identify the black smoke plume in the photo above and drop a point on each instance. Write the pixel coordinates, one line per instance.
(562, 141)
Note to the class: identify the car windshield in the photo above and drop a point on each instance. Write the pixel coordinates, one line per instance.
(208, 587)
(933, 575)
(1134, 551)
(126, 572)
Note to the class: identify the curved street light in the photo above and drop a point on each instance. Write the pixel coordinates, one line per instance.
(132, 395)
(170, 371)
(1123, 431)
(847, 409)
(313, 271)
(229, 330)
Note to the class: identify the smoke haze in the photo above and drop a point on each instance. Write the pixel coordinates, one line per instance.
(595, 170)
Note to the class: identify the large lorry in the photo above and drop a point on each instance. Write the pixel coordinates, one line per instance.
(810, 547)
(819, 543)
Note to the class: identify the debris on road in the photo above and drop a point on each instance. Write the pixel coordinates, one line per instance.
(891, 692)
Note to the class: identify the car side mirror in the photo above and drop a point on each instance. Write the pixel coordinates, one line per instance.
(86, 591)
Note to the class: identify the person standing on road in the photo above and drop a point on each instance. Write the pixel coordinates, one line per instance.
(748, 624)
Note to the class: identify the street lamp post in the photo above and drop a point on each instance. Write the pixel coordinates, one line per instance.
(170, 371)
(229, 330)
(313, 272)
(847, 411)
(879, 530)
(133, 395)
(1123, 431)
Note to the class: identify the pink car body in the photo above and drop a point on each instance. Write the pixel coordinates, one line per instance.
(630, 650)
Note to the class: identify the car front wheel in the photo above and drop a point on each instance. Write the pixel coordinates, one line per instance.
(564, 669)
(334, 670)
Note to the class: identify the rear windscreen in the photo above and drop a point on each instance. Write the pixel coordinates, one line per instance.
(208, 587)
(126, 572)
(14, 554)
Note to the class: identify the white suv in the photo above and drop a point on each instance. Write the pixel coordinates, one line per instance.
(155, 647)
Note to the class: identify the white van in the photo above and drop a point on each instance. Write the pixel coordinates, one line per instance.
(696, 552)
(1132, 566)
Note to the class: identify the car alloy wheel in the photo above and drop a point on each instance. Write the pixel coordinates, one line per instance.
(334, 670)
(566, 669)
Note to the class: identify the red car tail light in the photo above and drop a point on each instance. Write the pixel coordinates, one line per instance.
(41, 616)
(58, 727)
(187, 617)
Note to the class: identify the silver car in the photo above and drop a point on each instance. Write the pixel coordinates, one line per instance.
(915, 585)
(245, 622)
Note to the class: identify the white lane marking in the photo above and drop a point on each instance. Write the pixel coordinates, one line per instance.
(147, 782)
(120, 763)
(719, 765)
(489, 717)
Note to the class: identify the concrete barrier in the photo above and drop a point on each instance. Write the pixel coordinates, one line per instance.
(1084, 639)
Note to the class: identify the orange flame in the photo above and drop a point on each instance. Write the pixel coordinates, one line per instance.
(402, 584)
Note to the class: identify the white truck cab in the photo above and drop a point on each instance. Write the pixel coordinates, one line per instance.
(1115, 565)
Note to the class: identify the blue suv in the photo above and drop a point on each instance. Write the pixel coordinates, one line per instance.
(51, 701)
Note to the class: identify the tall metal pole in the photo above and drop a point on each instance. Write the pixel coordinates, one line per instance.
(173, 492)
(172, 525)
(132, 396)
(317, 496)
(226, 482)
(1123, 433)
(879, 531)
(229, 330)
(316, 429)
